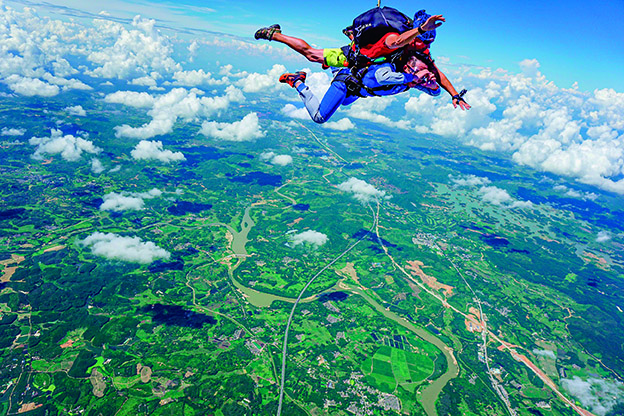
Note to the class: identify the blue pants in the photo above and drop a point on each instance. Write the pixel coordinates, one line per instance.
(335, 96)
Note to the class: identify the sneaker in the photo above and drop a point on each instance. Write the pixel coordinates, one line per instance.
(267, 32)
(290, 79)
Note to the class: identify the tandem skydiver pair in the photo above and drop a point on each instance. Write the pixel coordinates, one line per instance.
(388, 54)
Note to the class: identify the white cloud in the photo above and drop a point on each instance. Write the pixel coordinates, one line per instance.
(119, 202)
(576, 194)
(470, 180)
(280, 160)
(69, 147)
(129, 249)
(76, 110)
(6, 131)
(498, 196)
(96, 166)
(343, 124)
(596, 394)
(369, 109)
(310, 236)
(490, 194)
(228, 71)
(153, 150)
(530, 67)
(244, 130)
(256, 82)
(132, 53)
(494, 195)
(603, 236)
(291, 111)
(31, 86)
(144, 82)
(167, 108)
(564, 131)
(131, 98)
(124, 201)
(192, 48)
(361, 190)
(67, 84)
(196, 77)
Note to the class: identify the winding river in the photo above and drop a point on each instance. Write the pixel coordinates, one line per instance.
(428, 393)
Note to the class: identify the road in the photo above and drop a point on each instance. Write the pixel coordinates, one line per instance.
(292, 311)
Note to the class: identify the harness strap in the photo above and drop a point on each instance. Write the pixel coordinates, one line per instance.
(354, 84)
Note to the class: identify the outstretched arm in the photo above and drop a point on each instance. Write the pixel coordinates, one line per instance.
(448, 86)
(395, 41)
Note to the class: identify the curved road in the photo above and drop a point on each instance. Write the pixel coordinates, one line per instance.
(292, 313)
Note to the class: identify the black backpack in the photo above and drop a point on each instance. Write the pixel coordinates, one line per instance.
(373, 24)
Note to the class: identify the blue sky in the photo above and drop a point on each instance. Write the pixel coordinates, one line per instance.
(574, 41)
(534, 117)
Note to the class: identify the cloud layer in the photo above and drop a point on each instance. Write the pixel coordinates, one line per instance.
(166, 109)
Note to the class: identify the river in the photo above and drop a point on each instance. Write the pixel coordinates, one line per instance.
(428, 394)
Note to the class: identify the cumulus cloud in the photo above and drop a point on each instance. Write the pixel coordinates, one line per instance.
(69, 147)
(275, 159)
(292, 111)
(490, 194)
(239, 131)
(129, 249)
(118, 202)
(343, 124)
(31, 86)
(96, 166)
(282, 160)
(256, 82)
(153, 150)
(195, 78)
(558, 130)
(76, 110)
(470, 180)
(596, 394)
(603, 236)
(131, 98)
(165, 109)
(145, 82)
(573, 193)
(6, 131)
(131, 53)
(494, 195)
(498, 196)
(361, 190)
(310, 236)
(370, 109)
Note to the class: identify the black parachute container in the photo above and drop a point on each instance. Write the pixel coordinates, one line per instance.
(373, 24)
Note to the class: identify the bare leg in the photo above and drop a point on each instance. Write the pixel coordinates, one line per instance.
(300, 46)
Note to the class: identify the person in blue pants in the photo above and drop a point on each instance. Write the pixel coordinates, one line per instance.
(345, 89)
